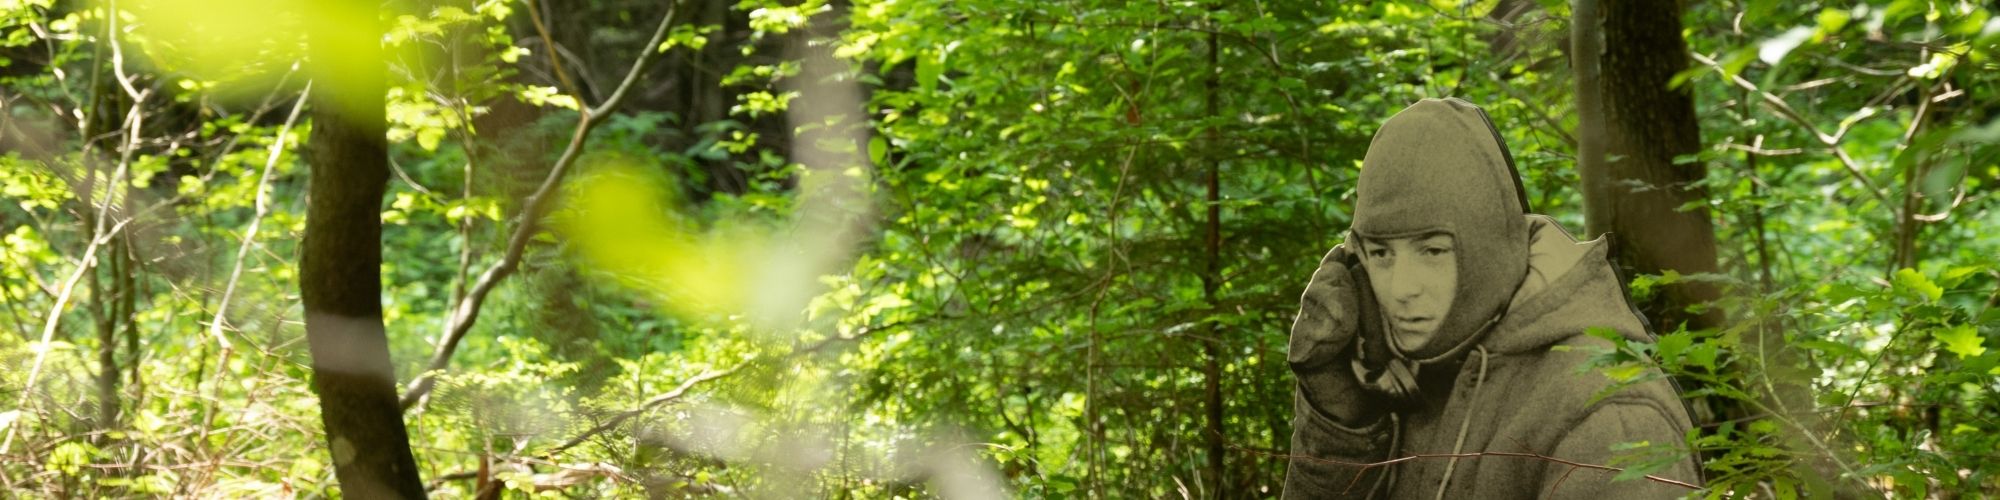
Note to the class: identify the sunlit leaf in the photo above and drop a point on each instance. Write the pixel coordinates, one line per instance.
(1912, 282)
(1963, 340)
(1774, 49)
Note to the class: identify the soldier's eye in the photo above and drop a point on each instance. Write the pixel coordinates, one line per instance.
(1436, 251)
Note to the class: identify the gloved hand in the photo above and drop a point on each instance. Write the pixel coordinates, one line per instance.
(1323, 342)
(1324, 330)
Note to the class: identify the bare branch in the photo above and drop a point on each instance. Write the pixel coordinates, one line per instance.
(134, 120)
(1555, 126)
(1832, 142)
(262, 205)
(535, 15)
(621, 417)
(865, 332)
(100, 235)
(678, 392)
(467, 311)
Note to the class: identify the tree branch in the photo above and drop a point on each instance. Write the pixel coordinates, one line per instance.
(100, 235)
(678, 392)
(656, 401)
(262, 207)
(467, 311)
(1832, 142)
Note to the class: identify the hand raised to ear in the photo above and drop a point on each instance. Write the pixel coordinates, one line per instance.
(1328, 316)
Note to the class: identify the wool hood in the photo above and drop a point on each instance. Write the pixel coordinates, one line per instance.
(1440, 167)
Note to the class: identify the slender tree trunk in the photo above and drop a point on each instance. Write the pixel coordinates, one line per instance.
(1586, 41)
(130, 299)
(117, 301)
(1212, 371)
(107, 113)
(340, 270)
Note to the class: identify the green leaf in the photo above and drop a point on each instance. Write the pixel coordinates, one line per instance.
(1763, 427)
(1634, 445)
(1831, 347)
(1832, 19)
(1963, 340)
(878, 150)
(1956, 275)
(1672, 345)
(1988, 364)
(929, 68)
(1604, 333)
(1703, 355)
(1669, 277)
(1910, 281)
(1625, 372)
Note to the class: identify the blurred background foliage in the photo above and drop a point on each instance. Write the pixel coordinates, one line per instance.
(1022, 290)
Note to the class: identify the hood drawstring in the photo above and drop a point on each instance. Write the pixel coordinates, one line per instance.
(1458, 447)
(1388, 478)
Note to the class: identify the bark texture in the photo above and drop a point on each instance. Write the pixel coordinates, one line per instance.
(1637, 193)
(1640, 191)
(340, 269)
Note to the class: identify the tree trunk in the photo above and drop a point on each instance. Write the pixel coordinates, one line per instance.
(1211, 278)
(340, 269)
(1632, 187)
(117, 301)
(1635, 191)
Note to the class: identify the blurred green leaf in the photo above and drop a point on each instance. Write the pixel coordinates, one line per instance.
(1963, 340)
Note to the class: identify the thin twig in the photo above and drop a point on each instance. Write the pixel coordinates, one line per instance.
(656, 401)
(100, 234)
(549, 43)
(134, 121)
(822, 344)
(262, 208)
(1832, 142)
(467, 311)
(678, 392)
(1554, 125)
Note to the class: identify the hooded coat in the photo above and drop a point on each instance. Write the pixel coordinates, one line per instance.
(1494, 402)
(1521, 389)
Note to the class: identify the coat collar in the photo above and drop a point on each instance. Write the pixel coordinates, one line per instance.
(1571, 287)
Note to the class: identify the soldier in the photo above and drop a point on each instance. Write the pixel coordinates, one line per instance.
(1452, 322)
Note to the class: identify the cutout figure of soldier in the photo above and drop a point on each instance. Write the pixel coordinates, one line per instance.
(1453, 322)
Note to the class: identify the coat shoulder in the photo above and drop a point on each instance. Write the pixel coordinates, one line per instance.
(1559, 381)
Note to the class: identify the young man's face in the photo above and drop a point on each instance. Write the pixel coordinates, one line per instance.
(1414, 279)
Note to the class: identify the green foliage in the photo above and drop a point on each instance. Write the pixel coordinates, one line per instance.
(1033, 302)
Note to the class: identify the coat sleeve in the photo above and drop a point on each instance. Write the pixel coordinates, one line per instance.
(1590, 442)
(1326, 453)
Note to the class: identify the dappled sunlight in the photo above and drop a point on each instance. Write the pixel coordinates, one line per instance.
(624, 220)
(240, 45)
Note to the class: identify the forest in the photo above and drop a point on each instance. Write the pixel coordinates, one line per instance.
(941, 248)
